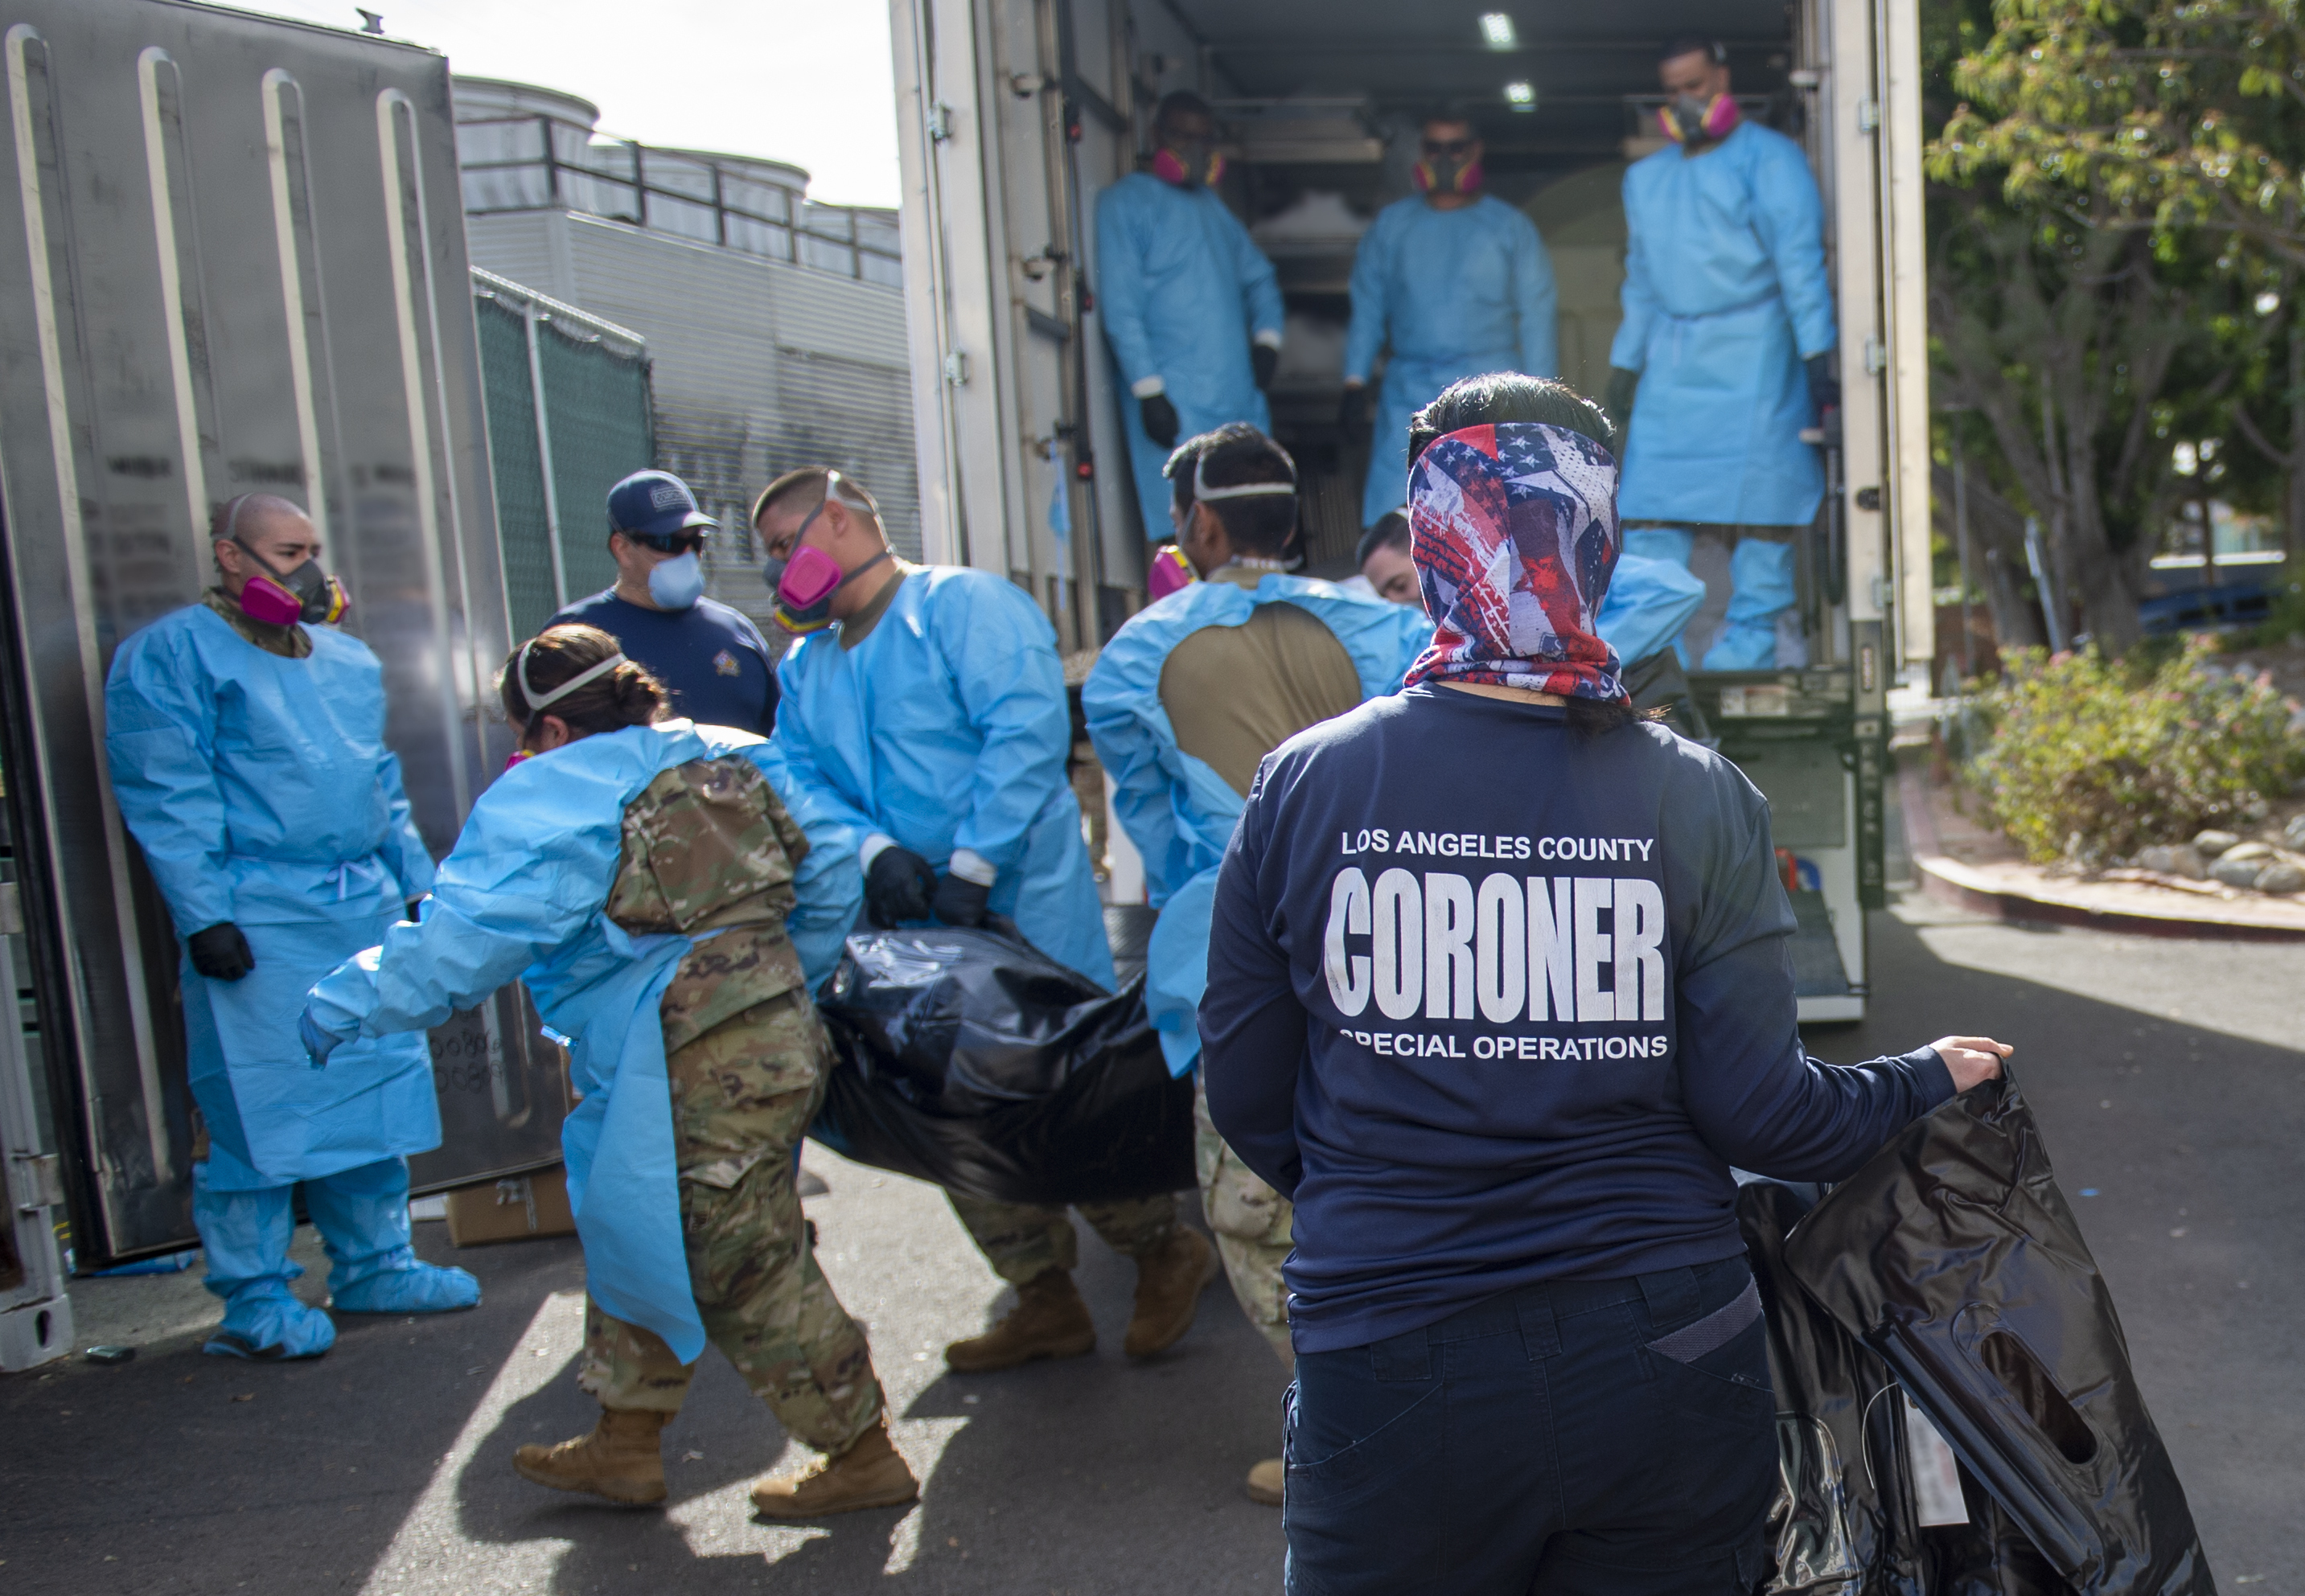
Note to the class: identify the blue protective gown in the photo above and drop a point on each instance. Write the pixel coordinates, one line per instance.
(1176, 810)
(1725, 294)
(1182, 291)
(522, 893)
(1454, 294)
(947, 728)
(261, 793)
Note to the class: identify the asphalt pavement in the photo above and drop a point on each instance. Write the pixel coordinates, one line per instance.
(2168, 1076)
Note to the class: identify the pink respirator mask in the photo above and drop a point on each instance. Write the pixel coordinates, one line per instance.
(1680, 123)
(1170, 167)
(1168, 571)
(806, 584)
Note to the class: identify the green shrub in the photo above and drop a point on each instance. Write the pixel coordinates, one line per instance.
(2091, 758)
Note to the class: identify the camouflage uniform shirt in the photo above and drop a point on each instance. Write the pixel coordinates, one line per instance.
(708, 850)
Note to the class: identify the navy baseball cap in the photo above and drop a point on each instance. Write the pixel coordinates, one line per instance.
(655, 504)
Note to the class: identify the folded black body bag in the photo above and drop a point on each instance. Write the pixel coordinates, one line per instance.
(969, 1058)
(1954, 1256)
(1846, 1521)
(1843, 1523)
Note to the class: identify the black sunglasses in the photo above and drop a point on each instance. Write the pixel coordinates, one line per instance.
(1452, 148)
(688, 540)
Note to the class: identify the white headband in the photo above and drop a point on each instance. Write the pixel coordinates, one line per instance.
(1202, 492)
(536, 701)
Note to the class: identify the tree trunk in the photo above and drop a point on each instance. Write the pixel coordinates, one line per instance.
(2292, 520)
(1996, 534)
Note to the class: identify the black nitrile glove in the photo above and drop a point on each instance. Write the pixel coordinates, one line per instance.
(1619, 400)
(1263, 361)
(1352, 411)
(1824, 393)
(220, 952)
(960, 901)
(898, 887)
(1160, 419)
(1823, 382)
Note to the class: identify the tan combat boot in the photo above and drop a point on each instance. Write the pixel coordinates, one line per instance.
(1169, 1284)
(1265, 1481)
(621, 1460)
(1049, 1321)
(871, 1474)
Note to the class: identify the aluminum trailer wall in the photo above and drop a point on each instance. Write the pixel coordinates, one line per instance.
(233, 259)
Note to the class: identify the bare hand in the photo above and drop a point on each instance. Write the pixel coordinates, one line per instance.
(1971, 1059)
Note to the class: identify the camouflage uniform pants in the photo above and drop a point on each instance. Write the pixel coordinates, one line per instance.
(1252, 1222)
(765, 1303)
(1024, 1241)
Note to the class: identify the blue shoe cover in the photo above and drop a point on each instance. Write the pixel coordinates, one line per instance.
(1761, 574)
(1649, 603)
(265, 1321)
(1743, 646)
(1660, 543)
(399, 1282)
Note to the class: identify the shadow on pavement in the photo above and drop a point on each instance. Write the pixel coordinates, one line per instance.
(384, 1466)
(2188, 1142)
(180, 1472)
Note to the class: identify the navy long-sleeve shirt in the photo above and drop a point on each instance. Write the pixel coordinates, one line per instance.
(1496, 1004)
(711, 657)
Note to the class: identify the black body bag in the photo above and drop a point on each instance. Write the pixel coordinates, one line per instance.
(1951, 1265)
(970, 1058)
(1847, 1520)
(1843, 1524)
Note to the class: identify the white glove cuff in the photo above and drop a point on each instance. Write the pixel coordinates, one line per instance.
(1146, 387)
(971, 866)
(1270, 337)
(874, 846)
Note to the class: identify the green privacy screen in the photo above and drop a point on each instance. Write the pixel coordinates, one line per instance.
(592, 380)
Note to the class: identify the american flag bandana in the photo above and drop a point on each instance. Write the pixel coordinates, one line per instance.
(1514, 533)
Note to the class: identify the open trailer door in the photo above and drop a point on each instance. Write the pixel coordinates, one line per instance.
(1011, 115)
(1861, 59)
(231, 260)
(1865, 142)
(1905, 318)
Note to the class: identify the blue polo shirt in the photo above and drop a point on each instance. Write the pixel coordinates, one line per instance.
(715, 662)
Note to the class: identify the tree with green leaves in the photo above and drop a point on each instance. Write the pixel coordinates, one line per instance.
(2182, 116)
(2167, 136)
(2065, 341)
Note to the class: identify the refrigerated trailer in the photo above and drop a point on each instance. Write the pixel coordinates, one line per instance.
(231, 258)
(1013, 115)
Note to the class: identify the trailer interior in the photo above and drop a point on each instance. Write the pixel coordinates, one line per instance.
(1321, 106)
(1013, 115)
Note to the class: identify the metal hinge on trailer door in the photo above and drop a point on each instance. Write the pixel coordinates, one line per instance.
(1869, 115)
(40, 1181)
(955, 368)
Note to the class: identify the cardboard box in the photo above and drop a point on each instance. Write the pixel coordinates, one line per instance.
(517, 1208)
